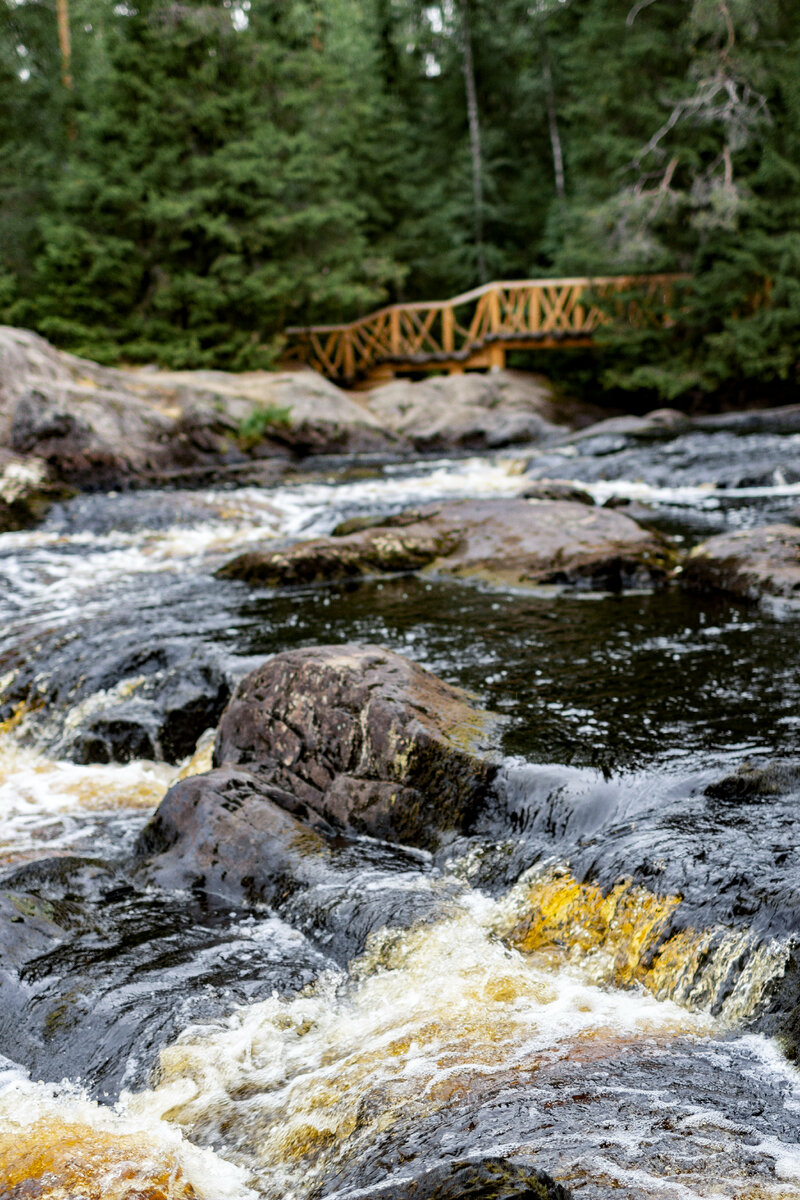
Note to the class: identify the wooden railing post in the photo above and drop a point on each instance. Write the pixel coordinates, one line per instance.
(494, 311)
(349, 356)
(448, 329)
(497, 354)
(394, 332)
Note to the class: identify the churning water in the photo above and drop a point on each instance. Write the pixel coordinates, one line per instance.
(527, 1014)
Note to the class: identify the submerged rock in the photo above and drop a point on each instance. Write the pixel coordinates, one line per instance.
(748, 563)
(364, 738)
(503, 541)
(474, 411)
(473, 1179)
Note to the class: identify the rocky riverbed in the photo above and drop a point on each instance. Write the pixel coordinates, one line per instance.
(449, 848)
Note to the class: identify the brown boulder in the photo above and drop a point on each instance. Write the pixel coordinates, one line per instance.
(364, 738)
(505, 541)
(748, 564)
(231, 834)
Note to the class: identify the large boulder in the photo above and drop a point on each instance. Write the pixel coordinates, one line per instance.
(505, 541)
(364, 738)
(748, 563)
(477, 411)
(98, 427)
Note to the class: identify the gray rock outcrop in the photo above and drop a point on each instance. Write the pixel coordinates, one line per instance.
(477, 411)
(97, 427)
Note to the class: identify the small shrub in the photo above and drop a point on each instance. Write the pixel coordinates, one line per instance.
(262, 419)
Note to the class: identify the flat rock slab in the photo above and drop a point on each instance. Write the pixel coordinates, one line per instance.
(749, 563)
(364, 738)
(504, 541)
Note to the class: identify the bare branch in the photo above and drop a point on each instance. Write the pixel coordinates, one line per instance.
(637, 8)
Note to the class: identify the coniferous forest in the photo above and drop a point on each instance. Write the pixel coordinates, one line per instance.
(180, 180)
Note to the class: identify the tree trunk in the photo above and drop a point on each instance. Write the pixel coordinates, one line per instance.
(474, 140)
(64, 42)
(552, 122)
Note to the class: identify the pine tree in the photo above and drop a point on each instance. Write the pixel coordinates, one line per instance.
(206, 202)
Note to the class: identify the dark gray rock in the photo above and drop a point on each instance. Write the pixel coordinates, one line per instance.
(231, 836)
(98, 695)
(96, 974)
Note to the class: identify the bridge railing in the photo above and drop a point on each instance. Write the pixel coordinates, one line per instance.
(531, 312)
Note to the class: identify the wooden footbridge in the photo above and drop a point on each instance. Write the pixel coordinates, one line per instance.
(477, 328)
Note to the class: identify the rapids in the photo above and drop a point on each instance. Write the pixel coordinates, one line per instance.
(588, 981)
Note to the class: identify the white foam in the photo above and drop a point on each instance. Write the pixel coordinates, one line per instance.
(25, 1104)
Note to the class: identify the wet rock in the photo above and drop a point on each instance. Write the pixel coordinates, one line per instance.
(572, 1116)
(556, 489)
(378, 550)
(502, 541)
(661, 424)
(231, 835)
(666, 449)
(474, 1179)
(364, 738)
(679, 897)
(99, 428)
(97, 974)
(477, 411)
(753, 781)
(97, 695)
(748, 563)
(396, 521)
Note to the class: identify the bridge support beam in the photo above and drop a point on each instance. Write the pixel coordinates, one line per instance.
(497, 358)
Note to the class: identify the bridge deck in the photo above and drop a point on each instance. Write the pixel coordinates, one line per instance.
(478, 327)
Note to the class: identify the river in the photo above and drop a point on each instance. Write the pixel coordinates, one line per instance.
(169, 1047)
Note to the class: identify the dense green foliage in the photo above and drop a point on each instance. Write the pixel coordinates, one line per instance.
(222, 169)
